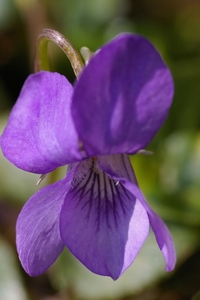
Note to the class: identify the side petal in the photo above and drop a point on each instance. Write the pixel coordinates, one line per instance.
(101, 223)
(37, 230)
(119, 167)
(40, 135)
(122, 97)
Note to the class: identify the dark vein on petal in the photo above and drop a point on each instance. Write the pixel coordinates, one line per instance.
(121, 201)
(98, 202)
(90, 200)
(115, 213)
(104, 201)
(82, 189)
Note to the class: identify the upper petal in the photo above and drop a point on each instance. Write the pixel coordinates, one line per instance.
(122, 97)
(37, 231)
(119, 167)
(101, 223)
(40, 135)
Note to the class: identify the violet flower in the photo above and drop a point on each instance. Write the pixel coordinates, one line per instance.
(97, 211)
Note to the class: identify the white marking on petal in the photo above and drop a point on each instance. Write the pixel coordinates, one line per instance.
(40, 179)
(145, 152)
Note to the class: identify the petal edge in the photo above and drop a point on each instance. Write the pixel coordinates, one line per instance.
(40, 135)
(122, 97)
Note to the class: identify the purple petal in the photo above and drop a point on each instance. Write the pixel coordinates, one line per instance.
(101, 223)
(37, 232)
(122, 97)
(119, 167)
(40, 135)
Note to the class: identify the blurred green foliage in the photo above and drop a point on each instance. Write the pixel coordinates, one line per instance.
(170, 178)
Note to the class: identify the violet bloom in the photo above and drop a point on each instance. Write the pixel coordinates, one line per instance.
(97, 211)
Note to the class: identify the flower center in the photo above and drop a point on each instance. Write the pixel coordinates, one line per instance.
(95, 166)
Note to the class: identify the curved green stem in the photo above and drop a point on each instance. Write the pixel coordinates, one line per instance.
(41, 59)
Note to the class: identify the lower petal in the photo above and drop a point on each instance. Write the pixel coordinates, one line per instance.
(101, 223)
(38, 236)
(119, 167)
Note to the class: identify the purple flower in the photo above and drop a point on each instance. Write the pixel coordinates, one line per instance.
(115, 108)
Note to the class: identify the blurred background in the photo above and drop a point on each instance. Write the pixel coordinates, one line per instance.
(170, 178)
